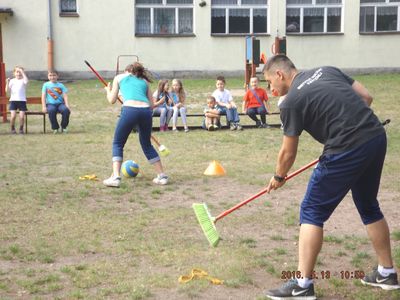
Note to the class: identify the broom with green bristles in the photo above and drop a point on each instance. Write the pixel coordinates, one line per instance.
(207, 222)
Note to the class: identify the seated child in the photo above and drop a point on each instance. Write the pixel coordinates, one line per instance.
(225, 102)
(255, 102)
(55, 100)
(211, 114)
(162, 104)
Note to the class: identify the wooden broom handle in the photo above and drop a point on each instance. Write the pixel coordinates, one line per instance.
(263, 191)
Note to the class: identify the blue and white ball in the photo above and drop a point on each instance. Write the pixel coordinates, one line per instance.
(129, 168)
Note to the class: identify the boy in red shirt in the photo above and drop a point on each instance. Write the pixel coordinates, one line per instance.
(255, 102)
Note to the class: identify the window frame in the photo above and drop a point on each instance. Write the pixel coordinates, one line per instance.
(240, 6)
(375, 6)
(314, 4)
(165, 5)
(68, 13)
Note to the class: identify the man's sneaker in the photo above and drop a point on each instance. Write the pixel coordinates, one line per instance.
(13, 131)
(386, 283)
(210, 127)
(291, 290)
(65, 130)
(232, 127)
(55, 131)
(21, 131)
(161, 179)
(215, 127)
(112, 181)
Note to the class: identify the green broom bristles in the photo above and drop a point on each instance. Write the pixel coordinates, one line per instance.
(206, 222)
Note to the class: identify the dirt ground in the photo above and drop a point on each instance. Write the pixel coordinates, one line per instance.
(344, 222)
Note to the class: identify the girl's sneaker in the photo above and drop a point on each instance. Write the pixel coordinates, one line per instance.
(161, 179)
(112, 181)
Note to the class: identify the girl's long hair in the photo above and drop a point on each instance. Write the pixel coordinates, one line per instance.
(181, 91)
(161, 85)
(138, 70)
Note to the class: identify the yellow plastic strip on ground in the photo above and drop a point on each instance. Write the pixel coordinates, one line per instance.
(89, 177)
(197, 274)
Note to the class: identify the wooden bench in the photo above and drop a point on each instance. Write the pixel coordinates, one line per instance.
(201, 115)
(29, 101)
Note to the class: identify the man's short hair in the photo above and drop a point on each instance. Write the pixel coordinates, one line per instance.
(279, 61)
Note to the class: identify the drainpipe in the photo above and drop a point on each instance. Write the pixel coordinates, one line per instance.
(50, 56)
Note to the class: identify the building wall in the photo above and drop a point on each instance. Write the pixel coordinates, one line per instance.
(105, 29)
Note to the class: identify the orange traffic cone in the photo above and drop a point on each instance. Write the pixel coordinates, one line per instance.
(214, 169)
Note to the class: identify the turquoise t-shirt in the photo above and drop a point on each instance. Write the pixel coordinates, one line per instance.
(54, 92)
(133, 88)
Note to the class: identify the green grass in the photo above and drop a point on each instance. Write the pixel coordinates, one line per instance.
(62, 238)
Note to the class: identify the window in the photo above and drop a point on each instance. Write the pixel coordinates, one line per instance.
(313, 16)
(164, 17)
(229, 17)
(379, 16)
(68, 8)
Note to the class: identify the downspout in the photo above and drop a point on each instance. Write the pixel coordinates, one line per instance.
(50, 53)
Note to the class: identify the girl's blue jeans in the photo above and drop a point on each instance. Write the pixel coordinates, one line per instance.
(130, 118)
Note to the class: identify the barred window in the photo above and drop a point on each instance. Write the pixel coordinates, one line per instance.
(313, 16)
(379, 16)
(230, 17)
(68, 7)
(164, 17)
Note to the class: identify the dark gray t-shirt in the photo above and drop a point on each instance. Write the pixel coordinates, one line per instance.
(322, 102)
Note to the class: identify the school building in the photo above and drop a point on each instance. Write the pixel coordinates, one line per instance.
(196, 37)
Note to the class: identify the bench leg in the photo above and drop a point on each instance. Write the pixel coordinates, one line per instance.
(44, 123)
(26, 123)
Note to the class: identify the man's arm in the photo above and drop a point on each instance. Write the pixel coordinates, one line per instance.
(362, 92)
(286, 157)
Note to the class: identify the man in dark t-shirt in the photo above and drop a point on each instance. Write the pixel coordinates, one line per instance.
(334, 109)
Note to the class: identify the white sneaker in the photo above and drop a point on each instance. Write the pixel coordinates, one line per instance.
(161, 179)
(112, 181)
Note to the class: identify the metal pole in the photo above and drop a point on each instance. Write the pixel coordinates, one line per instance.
(50, 52)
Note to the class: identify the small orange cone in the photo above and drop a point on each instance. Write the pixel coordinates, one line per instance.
(215, 169)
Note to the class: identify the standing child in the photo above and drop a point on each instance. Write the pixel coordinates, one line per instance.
(225, 101)
(54, 100)
(136, 113)
(179, 97)
(255, 101)
(162, 101)
(17, 88)
(212, 114)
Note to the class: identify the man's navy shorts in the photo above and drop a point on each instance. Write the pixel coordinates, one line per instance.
(17, 105)
(358, 170)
